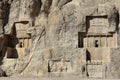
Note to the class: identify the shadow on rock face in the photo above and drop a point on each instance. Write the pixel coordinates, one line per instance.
(2, 73)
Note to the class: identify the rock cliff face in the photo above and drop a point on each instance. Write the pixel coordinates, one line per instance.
(60, 38)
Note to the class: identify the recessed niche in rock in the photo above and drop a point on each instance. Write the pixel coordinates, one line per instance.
(10, 41)
(12, 53)
(18, 41)
(97, 40)
(24, 39)
(97, 33)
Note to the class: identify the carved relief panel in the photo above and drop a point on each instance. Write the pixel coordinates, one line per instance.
(94, 70)
(58, 66)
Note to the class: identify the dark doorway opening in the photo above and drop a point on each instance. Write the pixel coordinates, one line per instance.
(96, 43)
(12, 53)
(88, 56)
(81, 36)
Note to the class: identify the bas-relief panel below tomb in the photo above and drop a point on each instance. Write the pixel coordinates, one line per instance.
(60, 66)
(94, 70)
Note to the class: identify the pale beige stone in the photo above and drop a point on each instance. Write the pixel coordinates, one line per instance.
(60, 38)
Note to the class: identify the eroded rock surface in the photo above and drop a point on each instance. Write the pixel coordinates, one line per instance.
(60, 38)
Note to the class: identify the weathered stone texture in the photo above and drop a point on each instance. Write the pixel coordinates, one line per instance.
(46, 36)
(113, 68)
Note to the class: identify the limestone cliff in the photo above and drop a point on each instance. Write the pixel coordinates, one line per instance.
(60, 38)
